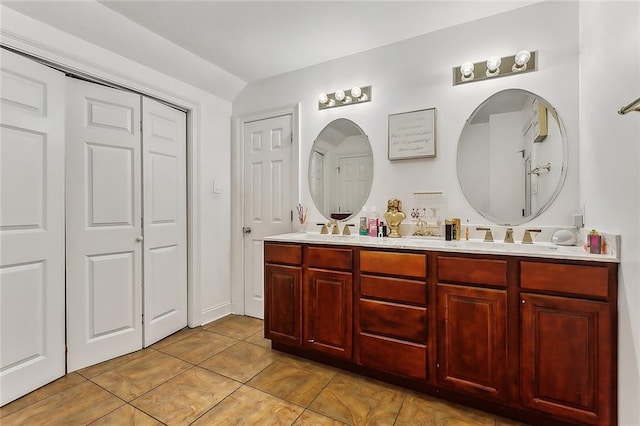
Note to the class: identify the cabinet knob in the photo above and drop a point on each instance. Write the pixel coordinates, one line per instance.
(523, 301)
(139, 238)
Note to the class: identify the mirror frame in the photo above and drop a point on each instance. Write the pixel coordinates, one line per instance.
(563, 174)
(368, 192)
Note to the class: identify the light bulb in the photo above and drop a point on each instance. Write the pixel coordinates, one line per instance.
(356, 92)
(520, 60)
(466, 70)
(339, 95)
(493, 65)
(323, 98)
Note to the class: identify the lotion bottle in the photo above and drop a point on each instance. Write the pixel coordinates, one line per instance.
(363, 221)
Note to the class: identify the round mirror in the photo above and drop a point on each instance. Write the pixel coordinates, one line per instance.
(512, 157)
(340, 169)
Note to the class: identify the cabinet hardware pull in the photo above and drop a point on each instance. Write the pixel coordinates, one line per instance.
(523, 301)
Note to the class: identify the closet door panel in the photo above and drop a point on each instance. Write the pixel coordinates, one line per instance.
(165, 224)
(31, 225)
(104, 228)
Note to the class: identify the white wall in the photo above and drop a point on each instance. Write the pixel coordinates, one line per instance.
(610, 163)
(210, 133)
(417, 74)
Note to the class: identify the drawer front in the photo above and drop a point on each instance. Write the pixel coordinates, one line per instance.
(289, 254)
(390, 319)
(571, 279)
(405, 264)
(330, 258)
(404, 358)
(394, 289)
(472, 271)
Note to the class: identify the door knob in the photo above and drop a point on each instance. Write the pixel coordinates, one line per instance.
(246, 229)
(139, 238)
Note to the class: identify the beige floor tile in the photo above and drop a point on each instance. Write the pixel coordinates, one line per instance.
(432, 411)
(126, 416)
(293, 379)
(134, 378)
(103, 367)
(184, 398)
(309, 418)
(258, 339)
(248, 406)
(64, 382)
(80, 404)
(356, 400)
(236, 326)
(175, 337)
(198, 346)
(241, 361)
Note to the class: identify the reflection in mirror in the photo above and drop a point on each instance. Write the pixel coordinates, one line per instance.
(340, 169)
(512, 157)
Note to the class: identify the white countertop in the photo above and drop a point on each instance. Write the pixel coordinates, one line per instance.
(538, 249)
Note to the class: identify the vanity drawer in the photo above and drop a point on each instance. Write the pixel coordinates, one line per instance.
(329, 258)
(572, 279)
(405, 264)
(472, 271)
(404, 358)
(390, 319)
(394, 289)
(288, 254)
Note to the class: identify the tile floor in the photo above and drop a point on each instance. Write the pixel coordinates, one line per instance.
(225, 373)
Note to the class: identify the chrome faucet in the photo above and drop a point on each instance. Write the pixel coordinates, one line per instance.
(488, 236)
(508, 237)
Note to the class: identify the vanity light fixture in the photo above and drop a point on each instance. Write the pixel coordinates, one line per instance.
(351, 96)
(496, 66)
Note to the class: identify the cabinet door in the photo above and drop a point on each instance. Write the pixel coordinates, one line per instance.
(328, 305)
(566, 357)
(283, 320)
(472, 350)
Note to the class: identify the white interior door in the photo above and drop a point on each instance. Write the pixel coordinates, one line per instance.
(353, 178)
(31, 225)
(268, 198)
(165, 222)
(104, 230)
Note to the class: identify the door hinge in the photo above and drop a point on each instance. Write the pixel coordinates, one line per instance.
(291, 215)
(140, 126)
(142, 319)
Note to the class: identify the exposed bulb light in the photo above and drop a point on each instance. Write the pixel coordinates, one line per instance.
(355, 95)
(493, 66)
(520, 60)
(466, 70)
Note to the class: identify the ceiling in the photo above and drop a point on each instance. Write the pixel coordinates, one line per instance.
(218, 43)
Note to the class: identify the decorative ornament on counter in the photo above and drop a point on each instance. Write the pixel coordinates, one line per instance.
(302, 216)
(394, 217)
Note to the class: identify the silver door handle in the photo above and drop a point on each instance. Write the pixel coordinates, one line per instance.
(246, 229)
(139, 238)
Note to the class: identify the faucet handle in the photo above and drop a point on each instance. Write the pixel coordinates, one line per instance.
(324, 229)
(345, 230)
(488, 236)
(508, 236)
(526, 239)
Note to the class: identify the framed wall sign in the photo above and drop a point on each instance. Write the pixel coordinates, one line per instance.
(412, 134)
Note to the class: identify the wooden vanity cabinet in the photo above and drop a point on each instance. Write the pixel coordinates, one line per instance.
(391, 318)
(568, 341)
(328, 301)
(472, 326)
(283, 293)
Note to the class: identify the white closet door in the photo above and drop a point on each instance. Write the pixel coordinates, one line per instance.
(31, 225)
(165, 221)
(104, 233)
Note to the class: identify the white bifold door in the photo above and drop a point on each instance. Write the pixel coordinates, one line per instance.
(126, 222)
(31, 225)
